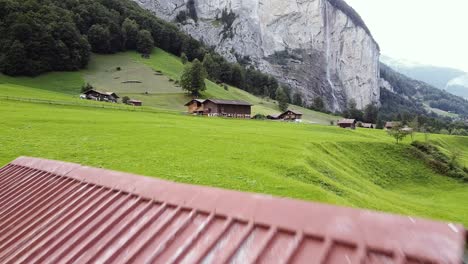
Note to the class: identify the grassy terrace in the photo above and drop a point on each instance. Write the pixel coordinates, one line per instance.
(362, 168)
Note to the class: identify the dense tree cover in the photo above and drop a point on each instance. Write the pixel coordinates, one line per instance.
(51, 35)
(398, 108)
(55, 35)
(37, 37)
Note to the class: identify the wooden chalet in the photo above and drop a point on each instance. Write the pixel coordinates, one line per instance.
(391, 125)
(368, 125)
(101, 96)
(219, 107)
(347, 123)
(135, 102)
(289, 115)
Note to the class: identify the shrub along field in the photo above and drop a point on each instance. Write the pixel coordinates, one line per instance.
(362, 168)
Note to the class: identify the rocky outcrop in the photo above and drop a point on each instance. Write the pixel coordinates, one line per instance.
(312, 45)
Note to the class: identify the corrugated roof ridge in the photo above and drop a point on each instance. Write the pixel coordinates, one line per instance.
(253, 209)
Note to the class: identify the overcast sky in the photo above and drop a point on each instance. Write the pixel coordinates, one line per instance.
(426, 31)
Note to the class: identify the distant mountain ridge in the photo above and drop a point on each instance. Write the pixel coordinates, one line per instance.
(413, 96)
(452, 80)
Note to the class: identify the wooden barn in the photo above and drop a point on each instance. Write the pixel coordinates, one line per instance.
(368, 125)
(391, 125)
(347, 123)
(219, 107)
(101, 96)
(289, 115)
(135, 102)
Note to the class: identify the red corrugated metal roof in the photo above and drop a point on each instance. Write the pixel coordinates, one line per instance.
(56, 212)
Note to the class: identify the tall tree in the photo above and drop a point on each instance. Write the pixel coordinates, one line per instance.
(352, 111)
(211, 67)
(282, 99)
(193, 78)
(297, 99)
(130, 33)
(145, 42)
(98, 37)
(183, 58)
(318, 104)
(15, 60)
(371, 112)
(237, 76)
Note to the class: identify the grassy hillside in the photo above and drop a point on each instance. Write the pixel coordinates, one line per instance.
(362, 168)
(154, 89)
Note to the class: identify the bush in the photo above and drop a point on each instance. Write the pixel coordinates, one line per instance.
(259, 117)
(118, 69)
(438, 161)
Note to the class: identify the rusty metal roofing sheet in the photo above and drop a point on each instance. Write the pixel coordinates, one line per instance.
(56, 212)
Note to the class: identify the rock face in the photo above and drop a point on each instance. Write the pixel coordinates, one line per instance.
(309, 44)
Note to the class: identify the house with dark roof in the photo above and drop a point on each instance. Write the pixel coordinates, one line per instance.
(347, 123)
(220, 107)
(58, 212)
(288, 115)
(391, 125)
(101, 96)
(368, 125)
(135, 102)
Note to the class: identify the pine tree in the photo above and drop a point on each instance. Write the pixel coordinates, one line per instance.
(237, 76)
(211, 67)
(318, 104)
(183, 58)
(297, 99)
(282, 99)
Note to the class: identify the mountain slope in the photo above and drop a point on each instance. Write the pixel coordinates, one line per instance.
(438, 77)
(408, 95)
(452, 80)
(320, 48)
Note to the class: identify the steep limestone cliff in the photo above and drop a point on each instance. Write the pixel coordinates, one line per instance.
(313, 45)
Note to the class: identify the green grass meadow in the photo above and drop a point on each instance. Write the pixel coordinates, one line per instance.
(362, 168)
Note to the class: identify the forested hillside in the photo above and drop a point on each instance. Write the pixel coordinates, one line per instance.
(52, 35)
(412, 99)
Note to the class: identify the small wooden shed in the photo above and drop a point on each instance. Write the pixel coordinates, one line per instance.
(135, 102)
(347, 123)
